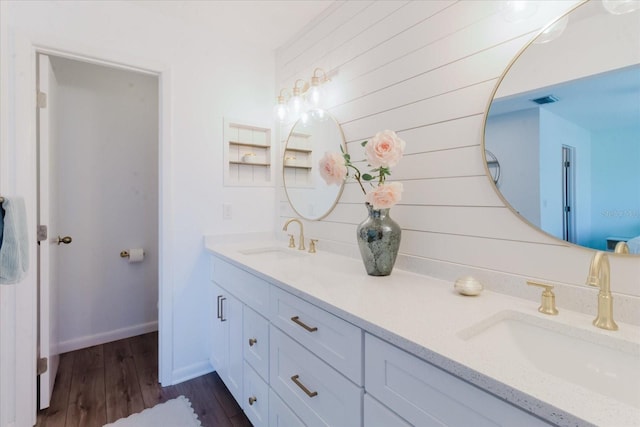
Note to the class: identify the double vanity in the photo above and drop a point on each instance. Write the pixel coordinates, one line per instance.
(309, 339)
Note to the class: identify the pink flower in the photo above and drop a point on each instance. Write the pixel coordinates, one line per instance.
(332, 168)
(385, 149)
(384, 196)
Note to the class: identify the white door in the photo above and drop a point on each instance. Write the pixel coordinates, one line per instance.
(48, 248)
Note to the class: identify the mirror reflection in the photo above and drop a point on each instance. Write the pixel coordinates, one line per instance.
(564, 129)
(310, 197)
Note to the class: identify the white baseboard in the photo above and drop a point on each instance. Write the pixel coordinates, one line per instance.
(103, 337)
(190, 372)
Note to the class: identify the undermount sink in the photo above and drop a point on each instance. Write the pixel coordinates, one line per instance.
(601, 363)
(274, 252)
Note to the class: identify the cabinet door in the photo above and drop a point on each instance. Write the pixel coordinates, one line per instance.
(256, 342)
(280, 415)
(219, 355)
(377, 415)
(256, 398)
(232, 316)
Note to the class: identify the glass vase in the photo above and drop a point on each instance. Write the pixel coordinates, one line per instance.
(379, 240)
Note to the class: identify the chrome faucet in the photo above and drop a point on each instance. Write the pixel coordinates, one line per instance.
(599, 275)
(301, 237)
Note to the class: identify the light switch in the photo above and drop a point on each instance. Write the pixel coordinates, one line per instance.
(226, 211)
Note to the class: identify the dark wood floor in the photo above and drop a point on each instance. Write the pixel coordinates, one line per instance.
(100, 384)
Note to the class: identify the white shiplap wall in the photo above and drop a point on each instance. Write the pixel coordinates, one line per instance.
(427, 69)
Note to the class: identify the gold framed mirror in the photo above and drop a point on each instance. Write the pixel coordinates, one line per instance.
(308, 194)
(564, 127)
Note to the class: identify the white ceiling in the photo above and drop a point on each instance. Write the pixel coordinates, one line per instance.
(267, 23)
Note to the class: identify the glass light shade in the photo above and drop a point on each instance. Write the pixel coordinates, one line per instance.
(518, 10)
(280, 112)
(619, 7)
(304, 117)
(553, 31)
(315, 96)
(296, 107)
(319, 115)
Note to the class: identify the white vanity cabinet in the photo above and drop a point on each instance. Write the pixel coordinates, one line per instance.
(425, 395)
(226, 352)
(290, 363)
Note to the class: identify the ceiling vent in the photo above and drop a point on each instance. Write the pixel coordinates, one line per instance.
(549, 99)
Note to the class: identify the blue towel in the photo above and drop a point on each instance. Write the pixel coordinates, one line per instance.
(14, 249)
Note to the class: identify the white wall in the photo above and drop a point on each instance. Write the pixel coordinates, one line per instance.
(514, 140)
(555, 132)
(205, 75)
(428, 70)
(107, 182)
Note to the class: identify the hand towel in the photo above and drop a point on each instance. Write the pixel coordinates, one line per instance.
(14, 249)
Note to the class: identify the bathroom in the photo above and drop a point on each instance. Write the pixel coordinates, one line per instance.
(453, 221)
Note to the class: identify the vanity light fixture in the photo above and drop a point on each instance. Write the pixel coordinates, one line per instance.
(305, 99)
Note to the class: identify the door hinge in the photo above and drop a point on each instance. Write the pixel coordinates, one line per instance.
(43, 365)
(42, 100)
(42, 233)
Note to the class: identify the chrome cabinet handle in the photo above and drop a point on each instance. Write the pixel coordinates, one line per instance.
(252, 400)
(302, 386)
(252, 341)
(296, 320)
(218, 314)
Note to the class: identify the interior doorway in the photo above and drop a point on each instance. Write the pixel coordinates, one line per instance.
(568, 194)
(98, 192)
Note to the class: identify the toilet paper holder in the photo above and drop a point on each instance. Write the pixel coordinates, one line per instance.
(125, 254)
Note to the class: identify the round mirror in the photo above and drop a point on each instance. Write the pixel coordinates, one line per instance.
(309, 196)
(564, 129)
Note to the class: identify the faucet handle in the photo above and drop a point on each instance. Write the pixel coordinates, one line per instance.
(621, 248)
(312, 246)
(292, 241)
(548, 303)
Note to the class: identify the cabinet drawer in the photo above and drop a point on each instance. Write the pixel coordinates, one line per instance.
(425, 395)
(378, 415)
(248, 288)
(315, 392)
(280, 415)
(256, 342)
(256, 398)
(334, 340)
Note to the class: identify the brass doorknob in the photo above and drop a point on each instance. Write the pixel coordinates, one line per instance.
(66, 240)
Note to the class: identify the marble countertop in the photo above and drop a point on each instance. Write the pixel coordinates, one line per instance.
(427, 318)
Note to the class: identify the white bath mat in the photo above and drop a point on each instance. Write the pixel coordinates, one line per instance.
(172, 413)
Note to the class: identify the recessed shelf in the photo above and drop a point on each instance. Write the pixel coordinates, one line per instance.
(241, 141)
(233, 162)
(299, 150)
(248, 144)
(297, 167)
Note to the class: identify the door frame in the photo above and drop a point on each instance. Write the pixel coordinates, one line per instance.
(21, 178)
(164, 294)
